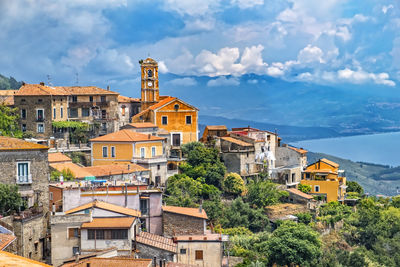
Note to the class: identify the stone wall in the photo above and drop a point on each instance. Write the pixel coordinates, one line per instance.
(148, 252)
(177, 224)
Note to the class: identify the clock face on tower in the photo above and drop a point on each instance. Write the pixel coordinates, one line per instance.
(149, 83)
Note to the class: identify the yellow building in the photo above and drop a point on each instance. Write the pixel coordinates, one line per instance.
(169, 113)
(127, 146)
(325, 179)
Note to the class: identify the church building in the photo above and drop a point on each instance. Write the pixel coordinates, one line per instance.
(172, 114)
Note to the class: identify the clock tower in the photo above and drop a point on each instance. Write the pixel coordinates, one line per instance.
(150, 92)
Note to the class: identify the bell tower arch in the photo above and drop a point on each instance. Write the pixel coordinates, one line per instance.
(149, 83)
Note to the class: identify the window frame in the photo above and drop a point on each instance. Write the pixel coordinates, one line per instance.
(153, 149)
(23, 114)
(37, 127)
(85, 114)
(28, 170)
(186, 120)
(61, 112)
(198, 254)
(317, 187)
(166, 120)
(104, 155)
(113, 152)
(142, 152)
(54, 113)
(37, 114)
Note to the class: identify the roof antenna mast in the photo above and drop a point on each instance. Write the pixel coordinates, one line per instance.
(49, 80)
(77, 78)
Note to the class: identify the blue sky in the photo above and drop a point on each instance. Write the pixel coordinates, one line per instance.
(99, 42)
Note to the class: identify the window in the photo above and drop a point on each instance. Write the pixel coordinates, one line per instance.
(73, 112)
(74, 98)
(23, 114)
(149, 73)
(105, 152)
(158, 180)
(183, 251)
(113, 151)
(91, 234)
(40, 100)
(104, 114)
(39, 114)
(99, 234)
(74, 232)
(188, 119)
(158, 167)
(176, 107)
(24, 127)
(54, 113)
(85, 112)
(40, 128)
(75, 250)
(164, 120)
(104, 126)
(293, 177)
(316, 188)
(143, 206)
(61, 112)
(142, 152)
(91, 98)
(22, 101)
(23, 172)
(198, 254)
(247, 167)
(119, 234)
(36, 246)
(103, 98)
(123, 110)
(51, 196)
(153, 152)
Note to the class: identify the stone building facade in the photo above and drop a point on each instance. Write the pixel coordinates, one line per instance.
(26, 165)
(179, 221)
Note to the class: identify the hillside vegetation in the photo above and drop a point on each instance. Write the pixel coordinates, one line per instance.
(9, 83)
(376, 179)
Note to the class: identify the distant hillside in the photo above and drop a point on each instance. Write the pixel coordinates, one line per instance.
(376, 179)
(9, 83)
(286, 132)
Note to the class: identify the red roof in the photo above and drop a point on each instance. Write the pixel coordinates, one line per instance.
(193, 212)
(126, 136)
(156, 241)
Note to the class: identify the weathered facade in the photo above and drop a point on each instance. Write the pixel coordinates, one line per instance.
(178, 221)
(26, 165)
(127, 107)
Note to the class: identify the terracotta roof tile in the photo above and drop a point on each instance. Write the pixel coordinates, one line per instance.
(119, 222)
(216, 127)
(236, 141)
(162, 103)
(6, 239)
(142, 125)
(9, 101)
(300, 150)
(156, 241)
(10, 143)
(9, 259)
(85, 90)
(334, 164)
(38, 89)
(111, 262)
(114, 169)
(106, 206)
(58, 157)
(299, 193)
(126, 136)
(193, 212)
(78, 171)
(7, 92)
(126, 99)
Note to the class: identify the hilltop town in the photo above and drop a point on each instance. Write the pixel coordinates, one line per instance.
(93, 178)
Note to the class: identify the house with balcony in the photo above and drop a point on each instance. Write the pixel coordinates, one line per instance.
(126, 146)
(41, 105)
(25, 164)
(94, 226)
(326, 180)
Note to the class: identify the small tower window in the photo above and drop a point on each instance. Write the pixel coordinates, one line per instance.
(150, 73)
(176, 107)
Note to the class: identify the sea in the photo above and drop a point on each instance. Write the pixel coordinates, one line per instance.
(382, 148)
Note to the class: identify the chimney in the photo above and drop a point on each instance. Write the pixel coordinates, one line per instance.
(42, 83)
(76, 257)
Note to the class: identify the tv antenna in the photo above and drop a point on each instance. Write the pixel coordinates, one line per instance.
(49, 80)
(77, 78)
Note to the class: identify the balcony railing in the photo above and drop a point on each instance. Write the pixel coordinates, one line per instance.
(40, 119)
(24, 179)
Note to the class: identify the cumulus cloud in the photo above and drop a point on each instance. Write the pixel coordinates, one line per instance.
(385, 9)
(223, 81)
(162, 67)
(247, 3)
(311, 54)
(360, 76)
(187, 81)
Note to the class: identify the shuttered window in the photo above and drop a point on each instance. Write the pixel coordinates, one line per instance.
(199, 254)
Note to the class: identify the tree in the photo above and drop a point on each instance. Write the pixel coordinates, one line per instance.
(183, 191)
(9, 121)
(233, 184)
(239, 213)
(10, 199)
(293, 244)
(305, 188)
(264, 193)
(67, 174)
(354, 187)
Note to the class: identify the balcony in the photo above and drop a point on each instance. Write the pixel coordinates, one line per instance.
(156, 159)
(40, 119)
(25, 179)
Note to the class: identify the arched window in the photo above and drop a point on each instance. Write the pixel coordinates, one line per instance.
(149, 73)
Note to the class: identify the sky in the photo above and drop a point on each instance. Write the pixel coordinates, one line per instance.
(99, 42)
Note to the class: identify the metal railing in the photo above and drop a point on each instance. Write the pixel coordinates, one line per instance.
(24, 179)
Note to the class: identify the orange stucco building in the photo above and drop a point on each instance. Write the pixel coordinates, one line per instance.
(325, 179)
(169, 113)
